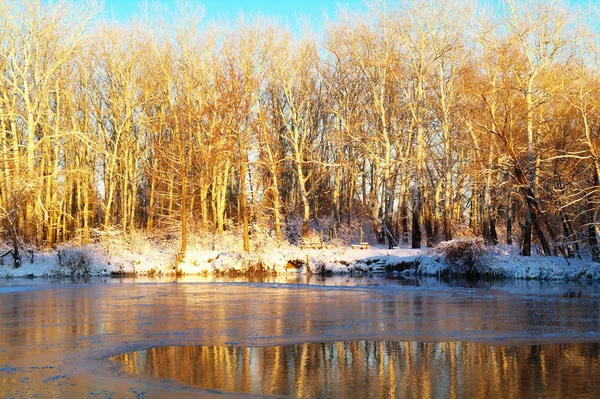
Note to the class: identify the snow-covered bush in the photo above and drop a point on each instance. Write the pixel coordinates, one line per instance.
(263, 238)
(349, 233)
(75, 260)
(463, 256)
(136, 240)
(462, 230)
(345, 234)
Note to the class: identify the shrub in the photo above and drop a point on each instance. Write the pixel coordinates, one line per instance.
(75, 260)
(463, 256)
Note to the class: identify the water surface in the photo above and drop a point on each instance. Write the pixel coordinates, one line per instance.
(378, 369)
(57, 337)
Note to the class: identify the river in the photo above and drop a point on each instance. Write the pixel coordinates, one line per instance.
(298, 337)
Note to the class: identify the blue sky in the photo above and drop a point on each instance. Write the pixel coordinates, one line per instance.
(286, 9)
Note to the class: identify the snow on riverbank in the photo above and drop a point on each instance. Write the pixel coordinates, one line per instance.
(148, 260)
(505, 262)
(154, 259)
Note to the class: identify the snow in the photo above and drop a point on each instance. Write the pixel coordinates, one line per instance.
(208, 256)
(505, 262)
(543, 268)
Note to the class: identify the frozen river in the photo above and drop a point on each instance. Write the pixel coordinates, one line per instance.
(332, 337)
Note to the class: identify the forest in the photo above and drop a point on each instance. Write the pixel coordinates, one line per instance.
(432, 119)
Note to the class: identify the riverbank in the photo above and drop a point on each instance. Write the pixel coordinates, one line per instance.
(151, 258)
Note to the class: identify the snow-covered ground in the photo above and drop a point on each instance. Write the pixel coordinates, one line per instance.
(97, 260)
(141, 256)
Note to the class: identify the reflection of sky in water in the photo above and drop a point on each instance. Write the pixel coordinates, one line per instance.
(363, 369)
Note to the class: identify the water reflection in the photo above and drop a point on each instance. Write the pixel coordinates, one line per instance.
(379, 369)
(577, 289)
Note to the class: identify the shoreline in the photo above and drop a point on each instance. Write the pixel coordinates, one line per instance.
(99, 260)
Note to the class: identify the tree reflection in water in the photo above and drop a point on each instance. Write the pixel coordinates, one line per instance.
(361, 369)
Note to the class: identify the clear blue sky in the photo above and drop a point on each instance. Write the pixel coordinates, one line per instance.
(289, 10)
(286, 9)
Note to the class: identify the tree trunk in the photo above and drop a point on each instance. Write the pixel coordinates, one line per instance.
(304, 197)
(591, 225)
(151, 199)
(474, 222)
(404, 213)
(335, 199)
(489, 222)
(526, 243)
(571, 250)
(509, 220)
(86, 213)
(436, 210)
(416, 228)
(428, 223)
(374, 201)
(15, 241)
(277, 211)
(593, 238)
(184, 207)
(448, 207)
(533, 214)
(243, 160)
(222, 197)
(530, 179)
(125, 194)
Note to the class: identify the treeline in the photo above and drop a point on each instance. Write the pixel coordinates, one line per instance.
(439, 118)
